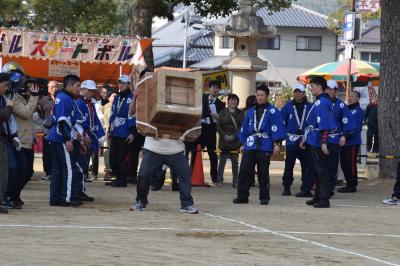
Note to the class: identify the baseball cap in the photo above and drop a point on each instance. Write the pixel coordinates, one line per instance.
(332, 84)
(89, 84)
(124, 79)
(300, 87)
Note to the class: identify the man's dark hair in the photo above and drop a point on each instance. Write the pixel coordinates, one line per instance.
(233, 96)
(71, 80)
(357, 93)
(4, 77)
(215, 83)
(263, 87)
(319, 81)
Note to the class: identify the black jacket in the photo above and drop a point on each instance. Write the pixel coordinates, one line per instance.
(371, 116)
(206, 109)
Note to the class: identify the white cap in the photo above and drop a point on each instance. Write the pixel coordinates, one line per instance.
(332, 84)
(88, 84)
(300, 87)
(124, 79)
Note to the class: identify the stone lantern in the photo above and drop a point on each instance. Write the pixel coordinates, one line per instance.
(246, 28)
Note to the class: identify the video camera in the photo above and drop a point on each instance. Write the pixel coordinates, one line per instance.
(20, 83)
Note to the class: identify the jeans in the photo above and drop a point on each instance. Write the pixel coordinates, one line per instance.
(152, 163)
(250, 159)
(397, 185)
(235, 165)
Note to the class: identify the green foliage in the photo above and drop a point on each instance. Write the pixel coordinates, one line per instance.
(336, 19)
(12, 13)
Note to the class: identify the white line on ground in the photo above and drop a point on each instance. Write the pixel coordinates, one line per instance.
(285, 235)
(100, 227)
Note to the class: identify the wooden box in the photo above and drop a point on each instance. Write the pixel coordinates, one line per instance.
(170, 104)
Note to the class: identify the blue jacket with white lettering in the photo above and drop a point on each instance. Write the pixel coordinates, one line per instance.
(357, 115)
(320, 118)
(292, 122)
(121, 125)
(259, 132)
(342, 118)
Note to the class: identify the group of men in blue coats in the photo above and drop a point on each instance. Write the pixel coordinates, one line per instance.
(318, 134)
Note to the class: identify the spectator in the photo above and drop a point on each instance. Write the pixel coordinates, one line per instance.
(24, 106)
(5, 113)
(228, 125)
(106, 109)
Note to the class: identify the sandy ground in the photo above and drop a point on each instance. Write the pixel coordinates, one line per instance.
(357, 230)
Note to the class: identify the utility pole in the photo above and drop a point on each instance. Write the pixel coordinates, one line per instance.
(348, 81)
(187, 23)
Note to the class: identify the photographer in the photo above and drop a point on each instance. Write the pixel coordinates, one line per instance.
(5, 113)
(25, 102)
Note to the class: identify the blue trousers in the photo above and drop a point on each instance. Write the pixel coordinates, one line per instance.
(294, 152)
(62, 187)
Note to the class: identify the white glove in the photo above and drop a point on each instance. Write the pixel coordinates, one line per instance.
(17, 143)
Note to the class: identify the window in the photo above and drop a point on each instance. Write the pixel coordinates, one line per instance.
(226, 43)
(370, 56)
(270, 43)
(308, 43)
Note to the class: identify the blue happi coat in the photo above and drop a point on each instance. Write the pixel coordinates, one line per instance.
(357, 115)
(64, 109)
(90, 124)
(342, 118)
(121, 124)
(262, 138)
(320, 118)
(295, 125)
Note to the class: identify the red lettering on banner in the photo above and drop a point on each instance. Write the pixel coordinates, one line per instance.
(39, 48)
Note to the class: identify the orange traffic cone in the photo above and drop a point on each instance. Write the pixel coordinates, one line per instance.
(197, 172)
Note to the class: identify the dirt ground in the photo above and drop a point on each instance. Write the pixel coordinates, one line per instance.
(357, 230)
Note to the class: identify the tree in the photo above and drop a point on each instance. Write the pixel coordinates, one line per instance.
(12, 13)
(143, 12)
(336, 19)
(389, 93)
(84, 16)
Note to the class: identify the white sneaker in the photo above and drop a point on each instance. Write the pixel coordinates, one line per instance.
(138, 206)
(46, 178)
(391, 201)
(189, 209)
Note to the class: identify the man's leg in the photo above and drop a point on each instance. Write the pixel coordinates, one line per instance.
(376, 140)
(113, 155)
(235, 167)
(221, 166)
(180, 167)
(211, 144)
(151, 163)
(290, 161)
(47, 158)
(137, 147)
(57, 152)
(396, 192)
(263, 160)
(246, 170)
(370, 134)
(307, 179)
(3, 170)
(333, 164)
(320, 162)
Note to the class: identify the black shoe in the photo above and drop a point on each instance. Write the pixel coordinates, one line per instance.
(332, 194)
(322, 204)
(286, 192)
(240, 201)
(3, 211)
(72, 203)
(16, 205)
(55, 203)
(304, 194)
(175, 187)
(84, 197)
(311, 201)
(347, 189)
(109, 178)
(234, 184)
(115, 184)
(155, 188)
(264, 202)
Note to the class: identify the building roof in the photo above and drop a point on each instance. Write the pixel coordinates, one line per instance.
(371, 35)
(213, 62)
(295, 16)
